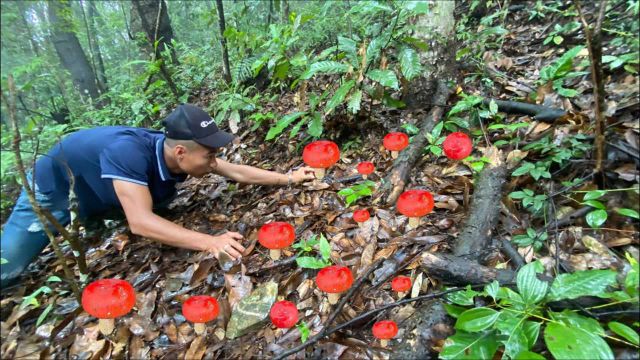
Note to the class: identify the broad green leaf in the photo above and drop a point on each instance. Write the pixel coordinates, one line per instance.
(44, 314)
(349, 46)
(463, 297)
(296, 128)
(625, 331)
(528, 355)
(596, 204)
(492, 289)
(325, 67)
(529, 286)
(475, 346)
(508, 296)
(632, 279)
(454, 310)
(325, 248)
(409, 63)
(566, 92)
(354, 101)
(53, 278)
(573, 319)
(282, 124)
(594, 194)
(493, 107)
(596, 218)
(513, 336)
(477, 319)
(374, 47)
(338, 96)
(309, 262)
(346, 192)
(467, 103)
(315, 125)
(417, 7)
(531, 331)
(581, 283)
(566, 342)
(304, 331)
(384, 77)
(628, 212)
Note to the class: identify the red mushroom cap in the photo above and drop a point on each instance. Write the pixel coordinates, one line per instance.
(457, 146)
(401, 283)
(395, 141)
(276, 235)
(334, 279)
(200, 309)
(284, 314)
(321, 154)
(415, 203)
(361, 215)
(108, 298)
(366, 168)
(385, 329)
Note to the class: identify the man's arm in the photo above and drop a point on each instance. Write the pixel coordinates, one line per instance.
(137, 204)
(252, 175)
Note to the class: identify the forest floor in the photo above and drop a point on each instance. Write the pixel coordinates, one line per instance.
(164, 277)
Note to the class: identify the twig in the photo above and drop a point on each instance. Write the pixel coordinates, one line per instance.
(569, 218)
(594, 43)
(514, 255)
(324, 332)
(11, 105)
(273, 265)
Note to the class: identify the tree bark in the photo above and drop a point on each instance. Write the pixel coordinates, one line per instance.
(223, 43)
(69, 49)
(156, 26)
(95, 44)
(34, 46)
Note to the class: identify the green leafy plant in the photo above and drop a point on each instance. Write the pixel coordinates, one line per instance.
(435, 140)
(530, 199)
(537, 170)
(561, 70)
(629, 61)
(516, 319)
(558, 30)
(356, 192)
(531, 237)
(304, 331)
(306, 258)
(597, 217)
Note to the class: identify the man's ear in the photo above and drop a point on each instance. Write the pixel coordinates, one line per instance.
(179, 150)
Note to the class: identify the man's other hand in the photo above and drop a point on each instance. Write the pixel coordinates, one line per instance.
(227, 242)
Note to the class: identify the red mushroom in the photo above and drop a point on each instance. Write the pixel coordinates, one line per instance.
(360, 216)
(284, 314)
(321, 155)
(395, 142)
(275, 236)
(334, 280)
(385, 330)
(457, 146)
(415, 204)
(401, 284)
(108, 299)
(199, 310)
(366, 168)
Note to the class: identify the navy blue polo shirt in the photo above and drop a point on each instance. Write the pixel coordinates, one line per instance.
(99, 155)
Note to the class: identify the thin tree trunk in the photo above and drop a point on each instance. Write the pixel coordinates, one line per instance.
(285, 11)
(223, 42)
(69, 49)
(270, 13)
(95, 44)
(27, 27)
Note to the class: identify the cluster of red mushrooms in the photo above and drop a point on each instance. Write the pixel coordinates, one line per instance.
(108, 299)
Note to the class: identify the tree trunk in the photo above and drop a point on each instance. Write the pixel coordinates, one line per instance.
(285, 11)
(437, 29)
(151, 17)
(69, 50)
(34, 46)
(95, 44)
(223, 42)
(270, 13)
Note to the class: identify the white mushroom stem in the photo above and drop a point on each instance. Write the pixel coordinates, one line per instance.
(394, 154)
(106, 326)
(413, 223)
(364, 177)
(333, 298)
(402, 294)
(319, 172)
(199, 328)
(275, 254)
(384, 343)
(361, 224)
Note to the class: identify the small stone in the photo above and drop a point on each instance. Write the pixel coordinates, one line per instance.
(252, 310)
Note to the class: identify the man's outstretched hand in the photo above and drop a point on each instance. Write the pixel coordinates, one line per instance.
(303, 174)
(228, 243)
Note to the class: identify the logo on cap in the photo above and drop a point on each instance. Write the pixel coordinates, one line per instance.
(204, 124)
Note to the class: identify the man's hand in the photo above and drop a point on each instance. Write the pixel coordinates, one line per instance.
(228, 243)
(303, 174)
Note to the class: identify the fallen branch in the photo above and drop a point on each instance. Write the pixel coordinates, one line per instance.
(325, 329)
(461, 271)
(538, 112)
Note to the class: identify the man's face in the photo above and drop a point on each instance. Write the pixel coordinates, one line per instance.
(196, 161)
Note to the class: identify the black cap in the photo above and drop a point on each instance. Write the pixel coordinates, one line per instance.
(189, 122)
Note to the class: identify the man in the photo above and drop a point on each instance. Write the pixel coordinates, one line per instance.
(135, 170)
